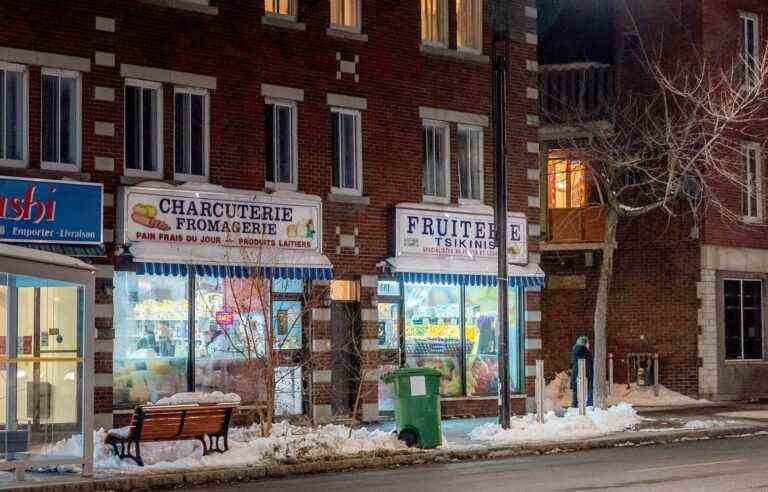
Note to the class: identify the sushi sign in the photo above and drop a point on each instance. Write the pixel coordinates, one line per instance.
(232, 218)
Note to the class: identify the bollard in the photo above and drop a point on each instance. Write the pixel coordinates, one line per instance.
(540, 391)
(610, 374)
(656, 375)
(582, 387)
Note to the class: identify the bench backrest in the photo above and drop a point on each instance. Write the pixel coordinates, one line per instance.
(168, 422)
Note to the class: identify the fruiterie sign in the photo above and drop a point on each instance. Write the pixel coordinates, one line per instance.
(219, 219)
(455, 234)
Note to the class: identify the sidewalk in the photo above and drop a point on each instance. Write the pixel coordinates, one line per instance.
(658, 426)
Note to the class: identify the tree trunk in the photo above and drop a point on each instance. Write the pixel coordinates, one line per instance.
(601, 308)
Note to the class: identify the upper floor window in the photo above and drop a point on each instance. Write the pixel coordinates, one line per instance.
(566, 182)
(345, 14)
(470, 163)
(750, 49)
(143, 128)
(191, 133)
(346, 136)
(60, 119)
(469, 20)
(13, 119)
(434, 22)
(280, 7)
(280, 143)
(753, 189)
(436, 152)
(743, 319)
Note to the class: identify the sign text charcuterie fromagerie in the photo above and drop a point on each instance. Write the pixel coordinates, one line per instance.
(220, 219)
(451, 234)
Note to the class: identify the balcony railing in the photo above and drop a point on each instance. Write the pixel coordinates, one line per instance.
(575, 225)
(575, 92)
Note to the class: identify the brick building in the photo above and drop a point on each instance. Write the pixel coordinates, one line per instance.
(348, 114)
(693, 295)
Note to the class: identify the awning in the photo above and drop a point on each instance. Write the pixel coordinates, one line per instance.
(482, 272)
(285, 264)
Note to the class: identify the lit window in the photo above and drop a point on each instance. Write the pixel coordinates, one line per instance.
(280, 7)
(61, 118)
(566, 178)
(743, 319)
(143, 127)
(346, 134)
(470, 163)
(280, 142)
(750, 34)
(436, 178)
(753, 190)
(433, 22)
(469, 19)
(191, 133)
(345, 14)
(13, 103)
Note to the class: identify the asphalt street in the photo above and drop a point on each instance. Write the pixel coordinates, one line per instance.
(739, 464)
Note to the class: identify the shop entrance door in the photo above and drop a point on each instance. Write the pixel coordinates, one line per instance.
(345, 329)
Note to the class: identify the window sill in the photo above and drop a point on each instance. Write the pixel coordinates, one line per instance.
(752, 220)
(135, 173)
(131, 180)
(339, 197)
(342, 33)
(436, 199)
(284, 22)
(458, 55)
(469, 202)
(13, 163)
(59, 166)
(191, 178)
(280, 186)
(184, 5)
(745, 362)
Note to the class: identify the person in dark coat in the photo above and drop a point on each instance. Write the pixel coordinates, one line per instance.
(581, 350)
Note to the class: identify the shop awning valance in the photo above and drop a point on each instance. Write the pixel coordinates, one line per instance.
(481, 272)
(237, 271)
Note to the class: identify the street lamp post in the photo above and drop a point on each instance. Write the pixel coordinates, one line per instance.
(500, 21)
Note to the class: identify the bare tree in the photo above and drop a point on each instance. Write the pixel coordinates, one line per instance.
(673, 145)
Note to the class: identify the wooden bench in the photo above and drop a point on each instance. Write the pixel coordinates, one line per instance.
(155, 423)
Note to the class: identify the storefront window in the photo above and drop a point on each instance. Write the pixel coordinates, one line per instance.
(151, 337)
(433, 332)
(288, 390)
(482, 333)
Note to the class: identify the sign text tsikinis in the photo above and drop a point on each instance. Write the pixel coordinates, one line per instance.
(458, 235)
(218, 219)
(50, 211)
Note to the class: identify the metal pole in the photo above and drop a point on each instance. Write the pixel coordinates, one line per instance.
(656, 374)
(610, 374)
(581, 387)
(498, 111)
(540, 391)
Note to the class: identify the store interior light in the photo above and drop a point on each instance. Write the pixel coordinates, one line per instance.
(69, 376)
(21, 374)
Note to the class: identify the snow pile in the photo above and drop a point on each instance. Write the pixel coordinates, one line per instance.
(571, 426)
(287, 443)
(706, 424)
(199, 398)
(558, 394)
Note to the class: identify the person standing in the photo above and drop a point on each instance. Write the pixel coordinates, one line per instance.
(580, 351)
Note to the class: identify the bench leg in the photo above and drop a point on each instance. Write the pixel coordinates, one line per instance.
(205, 447)
(137, 456)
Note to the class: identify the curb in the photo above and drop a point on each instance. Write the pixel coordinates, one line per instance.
(373, 461)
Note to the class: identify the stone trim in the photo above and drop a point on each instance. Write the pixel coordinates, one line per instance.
(534, 202)
(532, 65)
(168, 76)
(321, 314)
(534, 230)
(369, 281)
(347, 198)
(109, 199)
(456, 54)
(105, 271)
(531, 12)
(532, 120)
(532, 147)
(533, 316)
(103, 380)
(531, 38)
(534, 174)
(321, 345)
(184, 5)
(282, 92)
(104, 129)
(51, 60)
(352, 36)
(367, 314)
(275, 21)
(369, 344)
(533, 344)
(104, 59)
(106, 94)
(105, 24)
(427, 113)
(104, 163)
(531, 93)
(323, 376)
(321, 413)
(343, 101)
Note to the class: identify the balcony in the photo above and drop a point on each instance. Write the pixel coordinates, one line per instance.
(575, 93)
(577, 226)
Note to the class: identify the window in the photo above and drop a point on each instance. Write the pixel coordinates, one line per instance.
(61, 119)
(345, 14)
(470, 163)
(434, 20)
(743, 319)
(469, 20)
(346, 134)
(566, 182)
(753, 190)
(191, 134)
(280, 143)
(143, 128)
(436, 179)
(750, 51)
(285, 8)
(13, 118)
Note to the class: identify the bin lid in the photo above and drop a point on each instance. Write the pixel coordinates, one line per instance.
(405, 372)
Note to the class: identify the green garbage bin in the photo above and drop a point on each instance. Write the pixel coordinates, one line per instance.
(417, 406)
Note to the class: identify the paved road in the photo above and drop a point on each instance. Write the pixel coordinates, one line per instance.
(712, 465)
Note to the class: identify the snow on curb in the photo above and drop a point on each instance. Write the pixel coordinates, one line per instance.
(571, 426)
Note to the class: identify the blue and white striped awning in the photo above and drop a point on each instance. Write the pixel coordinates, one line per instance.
(467, 279)
(220, 271)
(453, 271)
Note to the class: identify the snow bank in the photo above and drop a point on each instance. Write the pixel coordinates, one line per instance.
(571, 426)
(199, 398)
(558, 394)
(246, 448)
